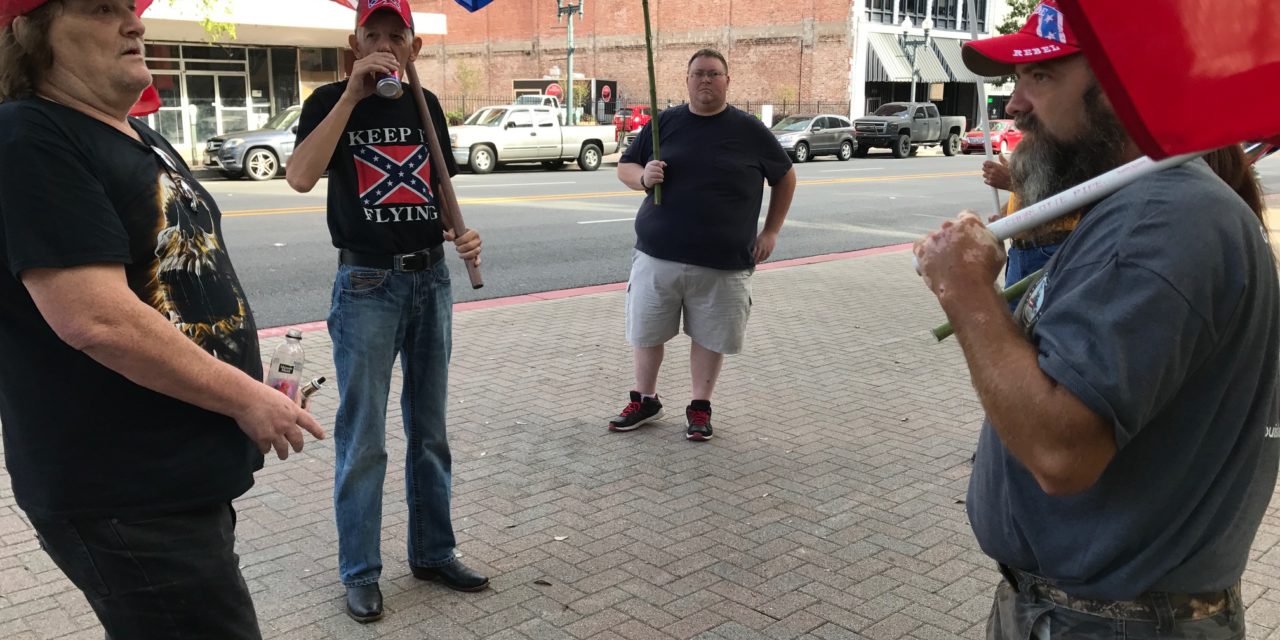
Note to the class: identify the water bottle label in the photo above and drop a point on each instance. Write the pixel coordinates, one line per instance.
(285, 368)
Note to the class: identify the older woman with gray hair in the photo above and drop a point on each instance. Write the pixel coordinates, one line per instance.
(117, 287)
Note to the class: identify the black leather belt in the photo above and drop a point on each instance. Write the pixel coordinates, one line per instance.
(408, 262)
(1151, 605)
(1041, 240)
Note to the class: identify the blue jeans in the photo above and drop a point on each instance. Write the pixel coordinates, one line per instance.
(1020, 615)
(376, 315)
(1024, 262)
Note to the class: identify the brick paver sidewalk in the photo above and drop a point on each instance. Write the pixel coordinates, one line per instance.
(829, 504)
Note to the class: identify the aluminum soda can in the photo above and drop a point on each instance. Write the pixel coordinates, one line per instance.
(389, 86)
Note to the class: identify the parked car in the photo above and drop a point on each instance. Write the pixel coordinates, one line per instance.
(905, 127)
(539, 99)
(1005, 136)
(806, 136)
(518, 133)
(629, 119)
(261, 154)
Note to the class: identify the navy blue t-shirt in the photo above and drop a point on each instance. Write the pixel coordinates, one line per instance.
(713, 186)
(1161, 314)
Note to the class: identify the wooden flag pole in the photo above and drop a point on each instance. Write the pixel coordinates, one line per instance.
(450, 213)
(653, 97)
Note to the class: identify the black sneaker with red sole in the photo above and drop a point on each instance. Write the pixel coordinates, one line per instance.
(637, 412)
(698, 422)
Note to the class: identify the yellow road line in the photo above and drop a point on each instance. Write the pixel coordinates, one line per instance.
(604, 194)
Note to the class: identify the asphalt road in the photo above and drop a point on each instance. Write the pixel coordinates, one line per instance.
(548, 230)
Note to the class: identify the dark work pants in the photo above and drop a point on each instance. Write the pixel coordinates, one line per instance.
(171, 576)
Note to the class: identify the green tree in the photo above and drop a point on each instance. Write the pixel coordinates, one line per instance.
(468, 78)
(215, 29)
(1019, 11)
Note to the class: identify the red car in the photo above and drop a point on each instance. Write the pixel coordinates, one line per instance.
(629, 119)
(1004, 137)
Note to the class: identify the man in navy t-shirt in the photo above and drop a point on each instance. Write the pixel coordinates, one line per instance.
(1131, 444)
(696, 251)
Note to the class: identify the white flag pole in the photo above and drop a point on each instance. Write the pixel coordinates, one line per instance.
(983, 123)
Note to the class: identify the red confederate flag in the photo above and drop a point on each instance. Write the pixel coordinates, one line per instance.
(1185, 75)
(393, 174)
(469, 5)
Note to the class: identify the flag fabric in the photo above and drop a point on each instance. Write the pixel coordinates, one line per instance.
(393, 174)
(1185, 75)
(473, 5)
(147, 104)
(470, 5)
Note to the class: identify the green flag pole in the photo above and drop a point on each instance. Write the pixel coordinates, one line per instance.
(653, 97)
(943, 331)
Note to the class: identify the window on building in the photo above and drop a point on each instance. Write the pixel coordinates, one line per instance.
(212, 53)
(260, 86)
(284, 78)
(944, 14)
(316, 67)
(982, 15)
(915, 10)
(880, 11)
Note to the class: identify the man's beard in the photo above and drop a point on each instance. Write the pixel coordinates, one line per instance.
(1044, 165)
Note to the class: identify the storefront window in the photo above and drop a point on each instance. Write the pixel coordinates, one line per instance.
(260, 86)
(284, 78)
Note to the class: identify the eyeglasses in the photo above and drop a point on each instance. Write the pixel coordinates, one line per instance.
(710, 75)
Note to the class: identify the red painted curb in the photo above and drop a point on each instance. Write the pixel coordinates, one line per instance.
(561, 294)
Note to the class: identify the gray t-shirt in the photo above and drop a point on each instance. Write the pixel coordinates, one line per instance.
(1162, 314)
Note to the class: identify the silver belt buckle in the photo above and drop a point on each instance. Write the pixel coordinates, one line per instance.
(398, 262)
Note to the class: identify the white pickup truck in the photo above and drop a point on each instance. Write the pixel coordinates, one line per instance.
(526, 133)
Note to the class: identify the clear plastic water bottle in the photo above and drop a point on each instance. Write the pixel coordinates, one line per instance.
(285, 374)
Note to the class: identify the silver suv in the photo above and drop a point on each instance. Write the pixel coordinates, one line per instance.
(261, 154)
(806, 136)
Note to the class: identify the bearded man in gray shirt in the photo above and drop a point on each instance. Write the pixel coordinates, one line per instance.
(1131, 441)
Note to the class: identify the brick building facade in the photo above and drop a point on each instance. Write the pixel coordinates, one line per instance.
(794, 51)
(841, 54)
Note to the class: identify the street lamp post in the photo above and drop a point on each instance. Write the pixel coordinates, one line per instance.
(911, 43)
(568, 9)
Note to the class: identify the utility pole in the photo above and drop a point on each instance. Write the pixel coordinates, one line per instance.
(568, 9)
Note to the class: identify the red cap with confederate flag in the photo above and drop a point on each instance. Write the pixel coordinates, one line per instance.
(1044, 37)
(366, 8)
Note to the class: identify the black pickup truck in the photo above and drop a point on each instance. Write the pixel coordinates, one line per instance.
(905, 127)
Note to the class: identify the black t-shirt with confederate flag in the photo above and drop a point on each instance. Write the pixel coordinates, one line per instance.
(382, 189)
(81, 440)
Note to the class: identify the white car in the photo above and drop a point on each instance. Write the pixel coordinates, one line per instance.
(523, 133)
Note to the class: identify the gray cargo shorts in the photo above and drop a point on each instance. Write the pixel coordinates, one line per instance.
(715, 304)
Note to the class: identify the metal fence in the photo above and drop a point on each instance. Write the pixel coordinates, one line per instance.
(784, 108)
(457, 108)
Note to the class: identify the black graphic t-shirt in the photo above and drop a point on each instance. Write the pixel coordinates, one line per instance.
(80, 439)
(382, 187)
